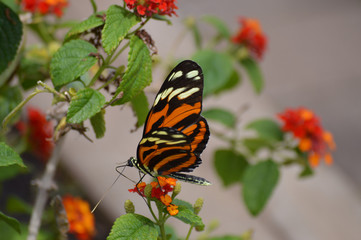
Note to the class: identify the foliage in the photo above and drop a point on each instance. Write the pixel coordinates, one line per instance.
(80, 72)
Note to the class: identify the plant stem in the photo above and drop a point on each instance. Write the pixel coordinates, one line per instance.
(189, 232)
(119, 52)
(45, 184)
(94, 5)
(161, 225)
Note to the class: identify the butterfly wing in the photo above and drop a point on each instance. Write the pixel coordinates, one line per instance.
(175, 134)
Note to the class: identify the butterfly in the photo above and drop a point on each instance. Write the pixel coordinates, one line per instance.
(175, 134)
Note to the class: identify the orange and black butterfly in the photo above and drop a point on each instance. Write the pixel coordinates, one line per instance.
(175, 134)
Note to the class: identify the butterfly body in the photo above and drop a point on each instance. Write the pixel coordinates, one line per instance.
(175, 134)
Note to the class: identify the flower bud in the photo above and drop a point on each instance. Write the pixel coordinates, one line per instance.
(198, 205)
(148, 190)
(177, 189)
(129, 206)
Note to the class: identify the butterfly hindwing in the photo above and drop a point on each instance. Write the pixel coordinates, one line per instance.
(167, 150)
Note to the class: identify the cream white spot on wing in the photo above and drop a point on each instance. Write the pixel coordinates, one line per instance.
(192, 74)
(143, 140)
(171, 77)
(197, 78)
(175, 92)
(178, 136)
(176, 75)
(152, 139)
(161, 132)
(188, 93)
(157, 99)
(166, 92)
(169, 142)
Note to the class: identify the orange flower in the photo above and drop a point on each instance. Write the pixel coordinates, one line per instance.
(251, 36)
(45, 6)
(159, 191)
(150, 7)
(313, 140)
(81, 220)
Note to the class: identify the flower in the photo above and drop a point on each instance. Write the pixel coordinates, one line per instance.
(251, 36)
(38, 133)
(307, 128)
(45, 6)
(150, 7)
(81, 220)
(159, 191)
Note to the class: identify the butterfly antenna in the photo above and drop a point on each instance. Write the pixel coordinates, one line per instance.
(106, 192)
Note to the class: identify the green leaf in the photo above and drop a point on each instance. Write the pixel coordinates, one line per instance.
(217, 70)
(132, 227)
(186, 214)
(13, 4)
(140, 107)
(11, 30)
(229, 165)
(16, 205)
(117, 25)
(307, 171)
(8, 172)
(220, 115)
(12, 222)
(9, 157)
(71, 61)
(10, 97)
(85, 104)
(259, 181)
(267, 129)
(139, 71)
(95, 20)
(254, 74)
(233, 80)
(98, 124)
(255, 144)
(219, 25)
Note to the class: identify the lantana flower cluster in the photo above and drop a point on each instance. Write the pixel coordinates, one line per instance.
(307, 128)
(150, 7)
(45, 6)
(159, 191)
(38, 133)
(81, 220)
(251, 36)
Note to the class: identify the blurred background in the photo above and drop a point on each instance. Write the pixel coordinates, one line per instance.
(313, 60)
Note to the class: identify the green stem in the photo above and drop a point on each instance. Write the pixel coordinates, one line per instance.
(18, 107)
(108, 82)
(94, 5)
(151, 211)
(43, 33)
(101, 69)
(161, 225)
(189, 232)
(119, 52)
(52, 90)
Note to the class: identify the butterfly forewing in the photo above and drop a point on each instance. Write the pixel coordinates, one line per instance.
(179, 101)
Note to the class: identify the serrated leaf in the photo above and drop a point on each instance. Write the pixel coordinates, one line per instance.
(220, 115)
(98, 124)
(219, 25)
(259, 181)
(117, 24)
(12, 222)
(10, 97)
(138, 74)
(85, 104)
(71, 61)
(180, 202)
(188, 216)
(132, 227)
(229, 165)
(140, 107)
(217, 70)
(254, 73)
(95, 20)
(267, 129)
(255, 144)
(11, 30)
(9, 157)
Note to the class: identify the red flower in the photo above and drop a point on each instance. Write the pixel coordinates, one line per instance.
(81, 220)
(45, 6)
(306, 126)
(251, 36)
(150, 7)
(38, 133)
(159, 191)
